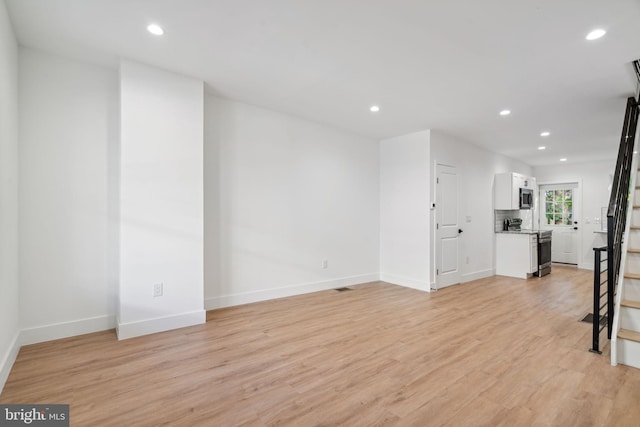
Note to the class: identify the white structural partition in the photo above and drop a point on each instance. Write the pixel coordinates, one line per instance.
(161, 201)
(9, 274)
(404, 210)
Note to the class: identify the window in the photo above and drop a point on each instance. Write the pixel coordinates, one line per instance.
(558, 205)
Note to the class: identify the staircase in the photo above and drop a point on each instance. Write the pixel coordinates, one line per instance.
(623, 249)
(625, 342)
(618, 304)
(622, 279)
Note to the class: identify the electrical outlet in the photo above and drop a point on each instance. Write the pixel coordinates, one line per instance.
(325, 264)
(158, 290)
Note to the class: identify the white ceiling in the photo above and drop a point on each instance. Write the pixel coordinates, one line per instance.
(450, 65)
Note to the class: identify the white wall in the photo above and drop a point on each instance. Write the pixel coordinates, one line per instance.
(596, 179)
(161, 200)
(476, 169)
(9, 298)
(68, 121)
(282, 195)
(404, 210)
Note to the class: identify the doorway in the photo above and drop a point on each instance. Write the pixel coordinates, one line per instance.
(447, 227)
(559, 212)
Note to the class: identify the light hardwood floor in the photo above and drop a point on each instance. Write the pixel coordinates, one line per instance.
(497, 351)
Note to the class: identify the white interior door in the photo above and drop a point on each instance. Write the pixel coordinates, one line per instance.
(559, 212)
(447, 227)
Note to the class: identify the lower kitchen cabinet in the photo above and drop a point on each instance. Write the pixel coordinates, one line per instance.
(516, 254)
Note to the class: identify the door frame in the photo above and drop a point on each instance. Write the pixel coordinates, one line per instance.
(434, 218)
(581, 224)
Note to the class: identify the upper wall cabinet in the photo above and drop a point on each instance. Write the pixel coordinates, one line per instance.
(507, 189)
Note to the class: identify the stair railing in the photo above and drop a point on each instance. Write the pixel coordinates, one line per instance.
(616, 225)
(598, 295)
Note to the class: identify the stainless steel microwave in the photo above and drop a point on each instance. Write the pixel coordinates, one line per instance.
(526, 198)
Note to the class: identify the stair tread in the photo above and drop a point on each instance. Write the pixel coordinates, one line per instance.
(626, 334)
(632, 275)
(630, 303)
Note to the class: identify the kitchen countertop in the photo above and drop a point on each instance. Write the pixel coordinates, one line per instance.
(523, 231)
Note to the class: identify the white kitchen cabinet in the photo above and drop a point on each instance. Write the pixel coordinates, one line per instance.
(530, 182)
(516, 254)
(507, 189)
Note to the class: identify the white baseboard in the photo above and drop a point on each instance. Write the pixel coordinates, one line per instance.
(421, 285)
(468, 277)
(66, 329)
(160, 324)
(7, 360)
(255, 296)
(584, 266)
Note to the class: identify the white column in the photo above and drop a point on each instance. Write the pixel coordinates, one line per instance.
(404, 210)
(161, 200)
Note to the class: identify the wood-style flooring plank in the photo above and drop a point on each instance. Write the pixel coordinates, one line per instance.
(496, 351)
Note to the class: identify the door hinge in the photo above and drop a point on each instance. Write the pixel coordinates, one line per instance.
(437, 180)
(437, 226)
(437, 272)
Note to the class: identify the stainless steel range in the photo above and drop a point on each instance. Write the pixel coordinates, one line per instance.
(544, 253)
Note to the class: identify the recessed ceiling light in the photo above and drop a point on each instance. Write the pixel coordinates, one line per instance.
(542, 147)
(505, 112)
(545, 133)
(374, 108)
(596, 34)
(563, 159)
(155, 29)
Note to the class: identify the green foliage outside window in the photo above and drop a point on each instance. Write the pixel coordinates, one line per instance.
(559, 207)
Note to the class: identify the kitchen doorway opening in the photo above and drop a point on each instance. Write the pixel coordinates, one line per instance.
(560, 206)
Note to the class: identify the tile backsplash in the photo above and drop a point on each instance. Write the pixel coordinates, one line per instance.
(501, 215)
(528, 216)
